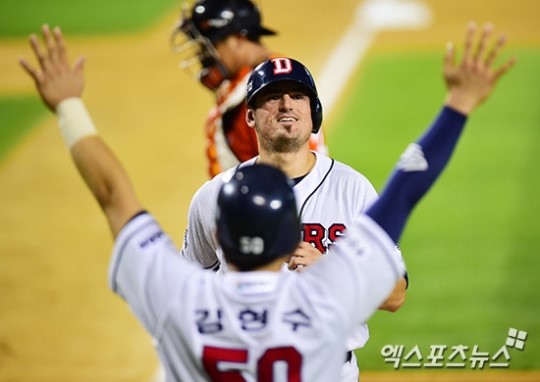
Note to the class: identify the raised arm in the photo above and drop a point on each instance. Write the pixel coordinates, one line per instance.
(60, 86)
(469, 83)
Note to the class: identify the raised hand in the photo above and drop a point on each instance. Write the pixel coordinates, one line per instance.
(472, 80)
(55, 79)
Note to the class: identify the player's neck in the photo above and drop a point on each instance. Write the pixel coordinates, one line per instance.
(256, 53)
(293, 164)
(274, 266)
(241, 52)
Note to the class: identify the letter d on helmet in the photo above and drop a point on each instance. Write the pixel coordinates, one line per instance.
(285, 69)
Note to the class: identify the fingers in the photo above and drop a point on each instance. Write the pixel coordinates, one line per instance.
(483, 42)
(299, 268)
(304, 255)
(296, 264)
(50, 61)
(494, 52)
(469, 36)
(482, 47)
(505, 68)
(30, 70)
(36, 75)
(472, 81)
(60, 46)
(49, 42)
(55, 56)
(449, 56)
(54, 78)
(41, 57)
(79, 64)
(293, 263)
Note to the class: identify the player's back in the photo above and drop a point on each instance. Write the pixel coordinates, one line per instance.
(260, 326)
(245, 325)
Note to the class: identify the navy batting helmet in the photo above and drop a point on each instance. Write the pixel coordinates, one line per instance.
(257, 221)
(217, 19)
(285, 69)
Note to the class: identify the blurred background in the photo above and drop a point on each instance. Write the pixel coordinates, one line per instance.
(470, 246)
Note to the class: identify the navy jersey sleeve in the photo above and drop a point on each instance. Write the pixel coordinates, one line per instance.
(417, 170)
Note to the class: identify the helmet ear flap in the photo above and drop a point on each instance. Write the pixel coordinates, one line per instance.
(316, 115)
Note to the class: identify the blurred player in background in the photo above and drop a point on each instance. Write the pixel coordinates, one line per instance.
(257, 323)
(220, 42)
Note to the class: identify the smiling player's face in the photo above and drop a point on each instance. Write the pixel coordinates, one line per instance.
(282, 117)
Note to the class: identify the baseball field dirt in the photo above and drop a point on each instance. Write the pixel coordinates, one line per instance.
(58, 319)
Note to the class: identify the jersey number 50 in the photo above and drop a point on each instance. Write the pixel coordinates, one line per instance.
(212, 356)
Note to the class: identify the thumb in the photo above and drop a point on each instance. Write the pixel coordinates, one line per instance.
(79, 65)
(449, 56)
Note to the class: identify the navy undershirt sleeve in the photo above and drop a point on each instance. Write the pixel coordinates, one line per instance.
(408, 184)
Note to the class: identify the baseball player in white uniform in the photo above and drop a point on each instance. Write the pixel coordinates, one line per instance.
(255, 322)
(329, 199)
(329, 194)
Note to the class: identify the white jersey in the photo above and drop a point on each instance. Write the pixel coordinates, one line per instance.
(252, 326)
(329, 199)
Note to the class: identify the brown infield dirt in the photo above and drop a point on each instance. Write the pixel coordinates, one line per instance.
(58, 319)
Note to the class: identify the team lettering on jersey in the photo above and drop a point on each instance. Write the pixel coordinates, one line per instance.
(151, 239)
(320, 236)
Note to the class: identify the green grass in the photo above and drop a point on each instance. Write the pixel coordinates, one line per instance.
(471, 245)
(21, 18)
(18, 115)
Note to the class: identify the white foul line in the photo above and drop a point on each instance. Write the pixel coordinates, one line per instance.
(370, 17)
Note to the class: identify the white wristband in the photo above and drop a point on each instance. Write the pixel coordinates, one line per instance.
(74, 121)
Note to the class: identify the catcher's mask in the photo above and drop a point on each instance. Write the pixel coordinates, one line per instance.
(209, 22)
(257, 220)
(285, 69)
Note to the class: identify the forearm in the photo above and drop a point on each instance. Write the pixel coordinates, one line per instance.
(97, 164)
(416, 172)
(396, 298)
(107, 181)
